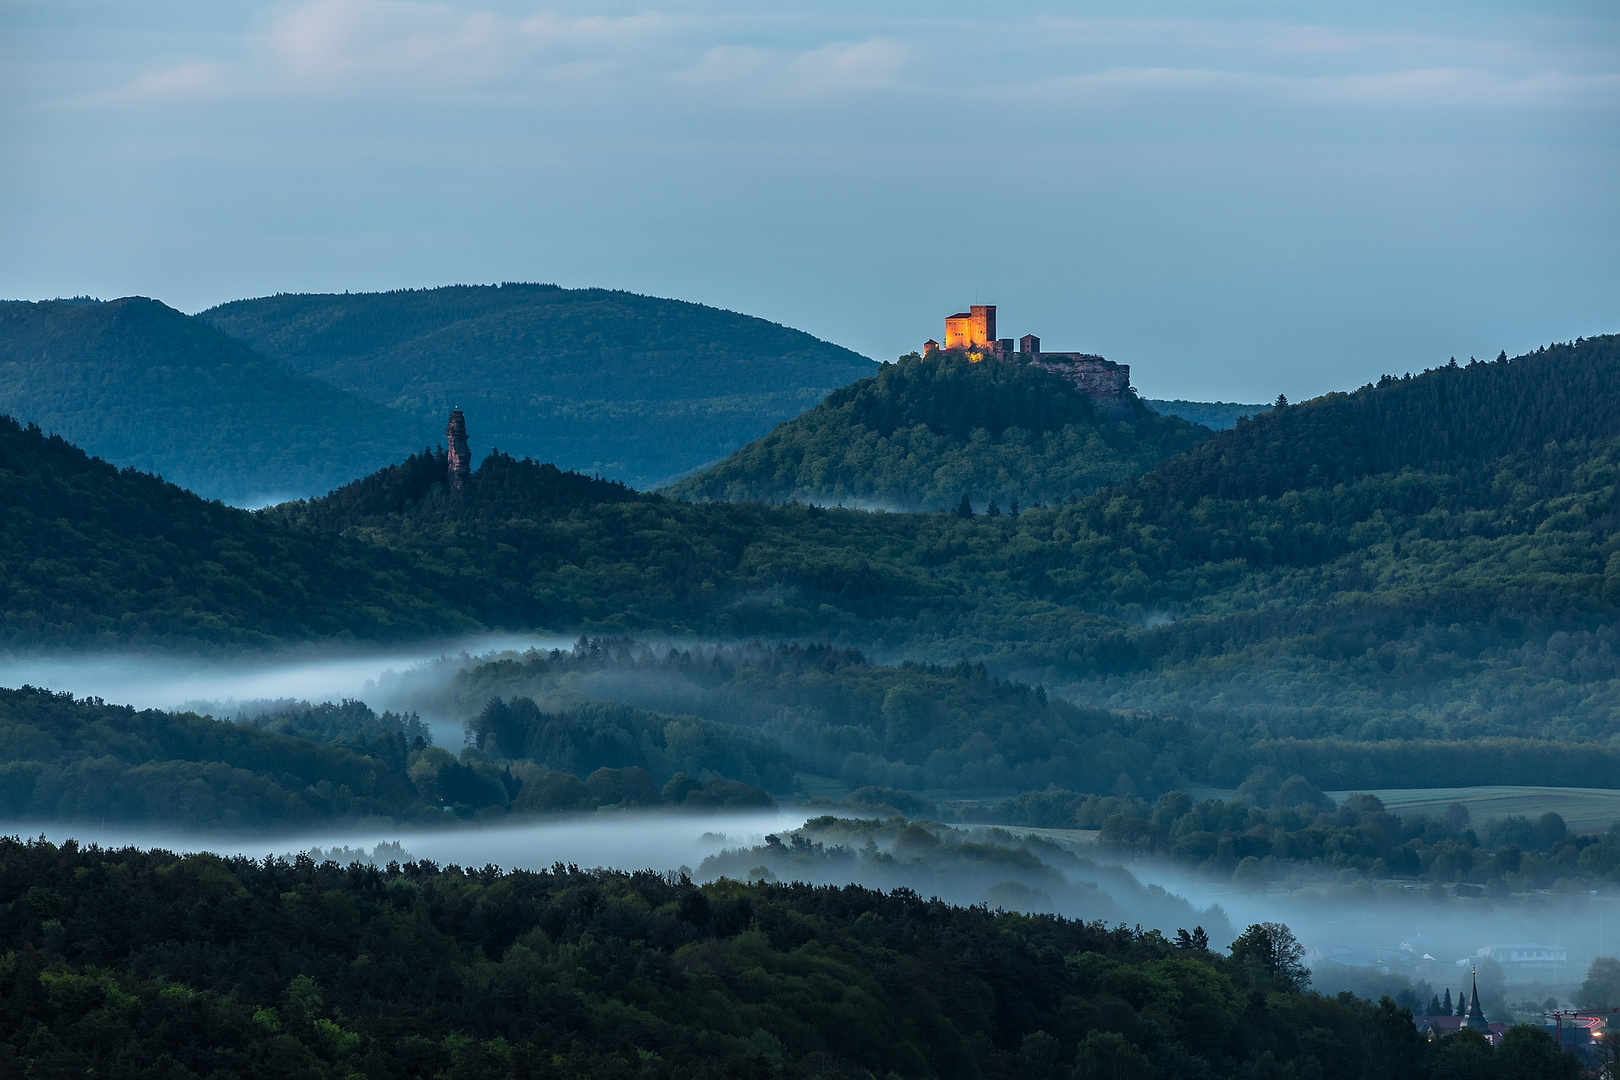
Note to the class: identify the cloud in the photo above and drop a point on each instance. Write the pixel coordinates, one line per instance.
(414, 48)
(199, 79)
(410, 50)
(774, 76)
(1417, 88)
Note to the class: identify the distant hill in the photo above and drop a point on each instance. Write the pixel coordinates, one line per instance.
(922, 433)
(1215, 415)
(145, 386)
(93, 555)
(636, 388)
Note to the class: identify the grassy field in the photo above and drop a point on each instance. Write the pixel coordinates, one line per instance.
(1583, 809)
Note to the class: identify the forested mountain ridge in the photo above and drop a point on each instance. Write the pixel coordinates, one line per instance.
(142, 385)
(924, 433)
(529, 546)
(93, 554)
(1448, 416)
(637, 388)
(416, 489)
(1463, 599)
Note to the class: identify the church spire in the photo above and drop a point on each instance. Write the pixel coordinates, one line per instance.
(1476, 1015)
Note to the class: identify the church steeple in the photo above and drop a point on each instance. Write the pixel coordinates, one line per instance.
(1476, 1015)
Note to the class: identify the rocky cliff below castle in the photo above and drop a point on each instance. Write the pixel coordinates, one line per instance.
(1105, 383)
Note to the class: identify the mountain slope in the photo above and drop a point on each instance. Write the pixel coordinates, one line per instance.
(1431, 556)
(921, 434)
(634, 387)
(90, 554)
(1445, 417)
(142, 385)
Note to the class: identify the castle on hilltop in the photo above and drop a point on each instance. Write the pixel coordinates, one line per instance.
(972, 334)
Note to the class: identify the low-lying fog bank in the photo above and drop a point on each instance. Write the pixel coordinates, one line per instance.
(1373, 936)
(162, 681)
(1355, 931)
(620, 840)
(960, 865)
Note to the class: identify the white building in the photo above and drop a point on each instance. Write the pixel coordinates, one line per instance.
(1522, 960)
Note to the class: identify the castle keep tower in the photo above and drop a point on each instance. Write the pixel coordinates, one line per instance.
(455, 442)
(973, 328)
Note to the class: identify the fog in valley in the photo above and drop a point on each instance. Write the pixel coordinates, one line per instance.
(225, 688)
(1378, 937)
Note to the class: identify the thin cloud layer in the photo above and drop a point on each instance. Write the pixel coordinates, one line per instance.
(371, 49)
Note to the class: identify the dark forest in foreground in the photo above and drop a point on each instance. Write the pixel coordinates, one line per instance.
(134, 963)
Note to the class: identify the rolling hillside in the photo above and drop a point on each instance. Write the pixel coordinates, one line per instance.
(635, 388)
(922, 434)
(142, 385)
(91, 555)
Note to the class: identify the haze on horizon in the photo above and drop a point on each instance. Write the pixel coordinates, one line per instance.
(1239, 201)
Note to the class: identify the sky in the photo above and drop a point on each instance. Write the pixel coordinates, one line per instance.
(1237, 199)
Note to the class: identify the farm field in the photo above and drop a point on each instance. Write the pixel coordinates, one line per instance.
(1584, 810)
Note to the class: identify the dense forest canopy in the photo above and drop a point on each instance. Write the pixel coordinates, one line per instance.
(144, 386)
(926, 433)
(113, 960)
(637, 388)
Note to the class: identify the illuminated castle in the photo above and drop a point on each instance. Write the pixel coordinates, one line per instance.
(972, 334)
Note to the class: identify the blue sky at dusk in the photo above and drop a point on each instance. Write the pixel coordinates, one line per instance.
(1237, 199)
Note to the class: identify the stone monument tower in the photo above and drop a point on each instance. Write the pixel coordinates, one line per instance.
(455, 441)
